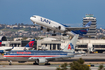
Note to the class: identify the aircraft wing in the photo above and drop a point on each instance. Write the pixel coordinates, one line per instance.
(75, 28)
(9, 49)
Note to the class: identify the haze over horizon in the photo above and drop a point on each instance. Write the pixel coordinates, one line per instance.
(70, 12)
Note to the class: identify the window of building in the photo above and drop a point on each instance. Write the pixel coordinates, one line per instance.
(50, 46)
(3, 45)
(58, 46)
(99, 46)
(82, 46)
(45, 44)
(54, 46)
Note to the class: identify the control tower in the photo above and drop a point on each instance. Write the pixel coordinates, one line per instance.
(92, 30)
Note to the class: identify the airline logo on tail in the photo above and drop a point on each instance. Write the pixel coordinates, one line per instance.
(0, 43)
(31, 43)
(70, 46)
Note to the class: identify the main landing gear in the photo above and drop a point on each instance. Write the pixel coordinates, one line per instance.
(36, 62)
(47, 63)
(53, 33)
(10, 62)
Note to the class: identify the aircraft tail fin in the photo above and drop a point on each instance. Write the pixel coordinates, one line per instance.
(0, 43)
(31, 43)
(70, 47)
(82, 31)
(88, 24)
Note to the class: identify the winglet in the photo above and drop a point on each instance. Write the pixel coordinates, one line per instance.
(31, 43)
(70, 47)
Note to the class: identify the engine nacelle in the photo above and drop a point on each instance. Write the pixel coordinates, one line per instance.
(41, 28)
(42, 60)
(59, 27)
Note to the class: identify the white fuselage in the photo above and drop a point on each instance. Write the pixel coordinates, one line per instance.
(32, 55)
(48, 23)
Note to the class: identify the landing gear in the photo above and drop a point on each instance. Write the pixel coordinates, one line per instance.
(54, 34)
(10, 62)
(36, 62)
(34, 24)
(47, 63)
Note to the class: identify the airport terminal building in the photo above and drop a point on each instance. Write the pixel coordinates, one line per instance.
(49, 43)
(82, 44)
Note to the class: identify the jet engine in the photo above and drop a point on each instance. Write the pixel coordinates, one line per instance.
(42, 60)
(41, 28)
(59, 27)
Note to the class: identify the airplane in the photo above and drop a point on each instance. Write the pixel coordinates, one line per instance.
(42, 56)
(57, 27)
(29, 46)
(0, 43)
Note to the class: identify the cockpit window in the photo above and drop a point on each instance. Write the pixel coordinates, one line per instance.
(34, 16)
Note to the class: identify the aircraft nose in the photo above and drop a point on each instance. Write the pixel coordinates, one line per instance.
(31, 18)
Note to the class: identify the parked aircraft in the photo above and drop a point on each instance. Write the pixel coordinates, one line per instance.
(27, 47)
(0, 43)
(57, 27)
(42, 56)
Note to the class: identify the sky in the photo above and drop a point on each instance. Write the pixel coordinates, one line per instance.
(70, 12)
